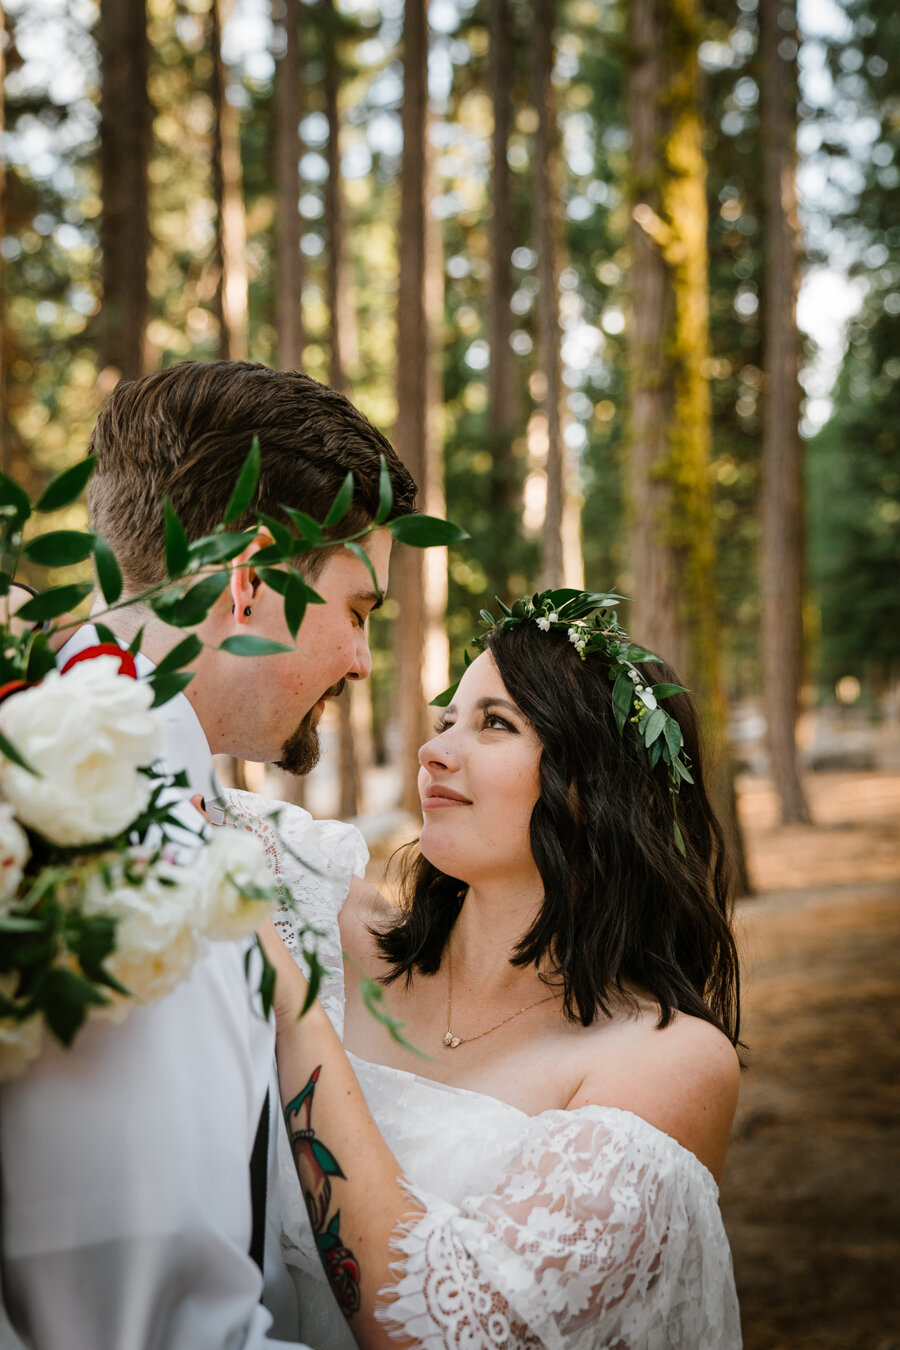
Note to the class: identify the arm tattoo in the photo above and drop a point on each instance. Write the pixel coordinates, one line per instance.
(316, 1165)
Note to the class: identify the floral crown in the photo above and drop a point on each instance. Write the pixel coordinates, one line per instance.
(591, 625)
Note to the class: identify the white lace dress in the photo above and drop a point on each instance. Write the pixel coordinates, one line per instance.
(570, 1230)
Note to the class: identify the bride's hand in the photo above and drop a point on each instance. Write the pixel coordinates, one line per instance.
(290, 983)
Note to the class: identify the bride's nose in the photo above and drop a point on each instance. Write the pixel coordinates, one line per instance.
(438, 752)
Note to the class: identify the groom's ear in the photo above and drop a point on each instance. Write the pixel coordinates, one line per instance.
(244, 581)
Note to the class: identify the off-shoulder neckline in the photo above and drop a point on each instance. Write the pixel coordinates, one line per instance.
(588, 1109)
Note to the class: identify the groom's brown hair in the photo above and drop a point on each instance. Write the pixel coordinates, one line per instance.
(184, 433)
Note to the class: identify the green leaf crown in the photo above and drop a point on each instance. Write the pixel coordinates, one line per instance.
(589, 620)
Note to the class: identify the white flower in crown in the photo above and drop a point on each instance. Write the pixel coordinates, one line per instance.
(236, 886)
(14, 853)
(647, 697)
(578, 638)
(86, 733)
(544, 623)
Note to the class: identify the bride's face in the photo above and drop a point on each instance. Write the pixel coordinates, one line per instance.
(478, 782)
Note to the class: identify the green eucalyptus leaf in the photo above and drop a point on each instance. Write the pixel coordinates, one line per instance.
(176, 543)
(243, 644)
(486, 617)
(66, 998)
(316, 972)
(134, 645)
(59, 548)
(40, 659)
(679, 839)
(166, 686)
(682, 771)
(109, 574)
(674, 738)
(667, 690)
(296, 599)
(446, 697)
(9, 751)
(385, 493)
(283, 539)
(306, 527)
(358, 551)
(53, 603)
(276, 578)
(186, 610)
(186, 651)
(245, 487)
(67, 487)
(655, 752)
(426, 531)
(14, 498)
(654, 726)
(266, 981)
(341, 504)
(218, 548)
(623, 691)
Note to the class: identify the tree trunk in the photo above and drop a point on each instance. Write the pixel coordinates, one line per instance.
(231, 231)
(354, 706)
(781, 563)
(562, 563)
(288, 256)
(414, 431)
(125, 137)
(505, 501)
(671, 531)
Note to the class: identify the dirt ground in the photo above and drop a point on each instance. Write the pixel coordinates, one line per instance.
(811, 1192)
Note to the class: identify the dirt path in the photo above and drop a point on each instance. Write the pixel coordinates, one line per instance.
(811, 1193)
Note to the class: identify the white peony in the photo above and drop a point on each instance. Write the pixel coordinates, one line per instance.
(86, 733)
(156, 908)
(238, 887)
(14, 853)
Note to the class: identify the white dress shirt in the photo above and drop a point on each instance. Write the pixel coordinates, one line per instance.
(126, 1211)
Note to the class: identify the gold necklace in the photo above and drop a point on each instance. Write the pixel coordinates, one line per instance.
(452, 1041)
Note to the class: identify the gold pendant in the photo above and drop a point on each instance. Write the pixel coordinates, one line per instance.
(451, 1040)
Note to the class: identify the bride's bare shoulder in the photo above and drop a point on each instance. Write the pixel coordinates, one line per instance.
(365, 912)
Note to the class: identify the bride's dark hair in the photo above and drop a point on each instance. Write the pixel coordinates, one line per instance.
(623, 907)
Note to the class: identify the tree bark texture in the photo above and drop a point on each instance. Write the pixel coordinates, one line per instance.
(125, 138)
(671, 529)
(504, 491)
(231, 230)
(561, 540)
(781, 563)
(288, 224)
(414, 432)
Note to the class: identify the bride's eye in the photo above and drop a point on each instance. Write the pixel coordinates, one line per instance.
(442, 724)
(495, 722)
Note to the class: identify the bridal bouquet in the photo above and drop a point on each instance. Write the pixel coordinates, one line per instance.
(102, 902)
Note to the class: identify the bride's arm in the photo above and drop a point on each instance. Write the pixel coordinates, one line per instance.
(349, 1177)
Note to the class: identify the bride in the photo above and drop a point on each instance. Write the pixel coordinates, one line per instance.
(535, 1164)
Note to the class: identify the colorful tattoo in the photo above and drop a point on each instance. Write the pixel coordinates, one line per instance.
(316, 1165)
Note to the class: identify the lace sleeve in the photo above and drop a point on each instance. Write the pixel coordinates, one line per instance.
(316, 860)
(603, 1232)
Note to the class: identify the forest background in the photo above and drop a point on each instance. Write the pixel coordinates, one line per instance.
(554, 248)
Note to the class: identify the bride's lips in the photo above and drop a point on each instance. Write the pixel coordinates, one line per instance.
(436, 796)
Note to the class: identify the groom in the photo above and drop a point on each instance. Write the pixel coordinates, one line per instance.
(127, 1219)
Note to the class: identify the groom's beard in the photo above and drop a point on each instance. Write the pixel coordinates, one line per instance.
(300, 752)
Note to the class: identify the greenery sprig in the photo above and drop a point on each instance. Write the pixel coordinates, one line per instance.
(591, 625)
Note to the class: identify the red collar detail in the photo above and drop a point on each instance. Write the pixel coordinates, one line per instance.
(126, 660)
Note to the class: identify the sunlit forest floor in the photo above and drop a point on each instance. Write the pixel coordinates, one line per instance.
(811, 1193)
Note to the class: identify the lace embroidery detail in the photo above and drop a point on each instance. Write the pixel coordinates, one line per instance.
(601, 1232)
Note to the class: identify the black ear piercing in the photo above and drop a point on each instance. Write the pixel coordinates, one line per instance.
(247, 611)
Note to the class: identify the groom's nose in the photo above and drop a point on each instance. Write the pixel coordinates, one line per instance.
(361, 668)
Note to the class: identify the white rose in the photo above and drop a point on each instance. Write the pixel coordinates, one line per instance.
(86, 733)
(156, 944)
(239, 889)
(14, 853)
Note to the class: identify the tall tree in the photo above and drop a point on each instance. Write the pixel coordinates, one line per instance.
(672, 554)
(125, 136)
(354, 707)
(288, 255)
(414, 437)
(231, 229)
(781, 563)
(505, 501)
